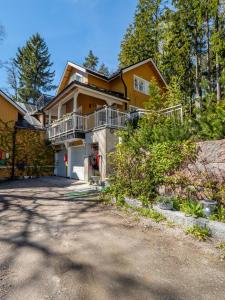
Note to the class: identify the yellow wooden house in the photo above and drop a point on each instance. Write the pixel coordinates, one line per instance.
(87, 110)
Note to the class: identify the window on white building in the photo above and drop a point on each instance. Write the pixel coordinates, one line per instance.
(141, 85)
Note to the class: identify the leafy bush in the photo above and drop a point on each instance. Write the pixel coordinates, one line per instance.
(219, 215)
(198, 232)
(192, 208)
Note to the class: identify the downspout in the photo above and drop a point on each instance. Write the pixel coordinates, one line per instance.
(125, 87)
(13, 152)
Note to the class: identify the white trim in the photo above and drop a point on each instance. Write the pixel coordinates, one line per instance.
(146, 84)
(136, 65)
(142, 63)
(17, 106)
(73, 66)
(103, 96)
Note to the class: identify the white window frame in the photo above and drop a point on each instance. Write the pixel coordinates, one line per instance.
(144, 83)
(81, 77)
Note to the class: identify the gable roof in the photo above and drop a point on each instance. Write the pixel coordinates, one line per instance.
(90, 87)
(112, 76)
(13, 103)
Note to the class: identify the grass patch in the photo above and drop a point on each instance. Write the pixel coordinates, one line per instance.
(202, 234)
(150, 213)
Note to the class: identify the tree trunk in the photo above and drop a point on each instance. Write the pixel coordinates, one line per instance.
(208, 53)
(197, 72)
(218, 87)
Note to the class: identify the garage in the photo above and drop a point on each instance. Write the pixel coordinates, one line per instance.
(60, 164)
(77, 162)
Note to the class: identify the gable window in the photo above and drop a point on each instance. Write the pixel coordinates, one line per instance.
(79, 77)
(141, 85)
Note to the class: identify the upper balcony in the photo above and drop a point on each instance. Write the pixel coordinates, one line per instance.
(75, 125)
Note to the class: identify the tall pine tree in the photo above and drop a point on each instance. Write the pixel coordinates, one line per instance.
(91, 61)
(34, 68)
(142, 39)
(103, 69)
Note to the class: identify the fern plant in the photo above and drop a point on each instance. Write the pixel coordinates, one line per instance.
(192, 208)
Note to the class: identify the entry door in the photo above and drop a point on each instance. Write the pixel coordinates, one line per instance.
(77, 163)
(60, 164)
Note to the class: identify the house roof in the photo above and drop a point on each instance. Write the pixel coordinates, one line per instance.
(13, 103)
(76, 83)
(115, 74)
(28, 120)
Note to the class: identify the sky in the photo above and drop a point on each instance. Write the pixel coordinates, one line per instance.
(70, 28)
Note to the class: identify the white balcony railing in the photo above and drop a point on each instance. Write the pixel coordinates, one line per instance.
(79, 123)
(107, 116)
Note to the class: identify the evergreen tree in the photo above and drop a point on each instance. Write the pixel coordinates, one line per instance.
(33, 64)
(13, 79)
(186, 40)
(142, 39)
(2, 35)
(103, 70)
(91, 61)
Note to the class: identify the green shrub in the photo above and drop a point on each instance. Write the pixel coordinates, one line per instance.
(219, 214)
(150, 213)
(198, 232)
(192, 208)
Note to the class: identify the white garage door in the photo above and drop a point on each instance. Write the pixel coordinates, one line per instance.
(77, 163)
(60, 164)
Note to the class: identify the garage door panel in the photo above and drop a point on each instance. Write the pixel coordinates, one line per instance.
(77, 163)
(60, 164)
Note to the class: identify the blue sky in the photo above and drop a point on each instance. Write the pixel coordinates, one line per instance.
(69, 27)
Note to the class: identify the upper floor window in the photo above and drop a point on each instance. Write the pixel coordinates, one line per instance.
(141, 85)
(77, 77)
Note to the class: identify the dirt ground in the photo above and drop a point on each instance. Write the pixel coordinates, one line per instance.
(57, 245)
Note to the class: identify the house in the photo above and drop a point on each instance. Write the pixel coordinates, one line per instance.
(22, 140)
(88, 109)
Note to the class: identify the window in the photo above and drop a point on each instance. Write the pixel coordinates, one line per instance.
(79, 77)
(141, 85)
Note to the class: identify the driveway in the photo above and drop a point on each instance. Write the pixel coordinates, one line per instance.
(55, 244)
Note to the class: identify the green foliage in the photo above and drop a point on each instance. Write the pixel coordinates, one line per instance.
(103, 70)
(185, 38)
(150, 213)
(37, 78)
(177, 201)
(91, 61)
(164, 200)
(219, 215)
(210, 121)
(141, 39)
(144, 200)
(198, 232)
(192, 208)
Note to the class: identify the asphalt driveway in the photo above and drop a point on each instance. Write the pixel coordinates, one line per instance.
(57, 243)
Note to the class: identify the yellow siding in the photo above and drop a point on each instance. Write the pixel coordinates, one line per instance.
(117, 85)
(7, 111)
(88, 103)
(98, 82)
(146, 72)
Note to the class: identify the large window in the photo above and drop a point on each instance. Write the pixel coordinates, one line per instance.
(141, 85)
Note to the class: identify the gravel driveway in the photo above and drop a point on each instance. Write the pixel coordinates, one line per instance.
(57, 245)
